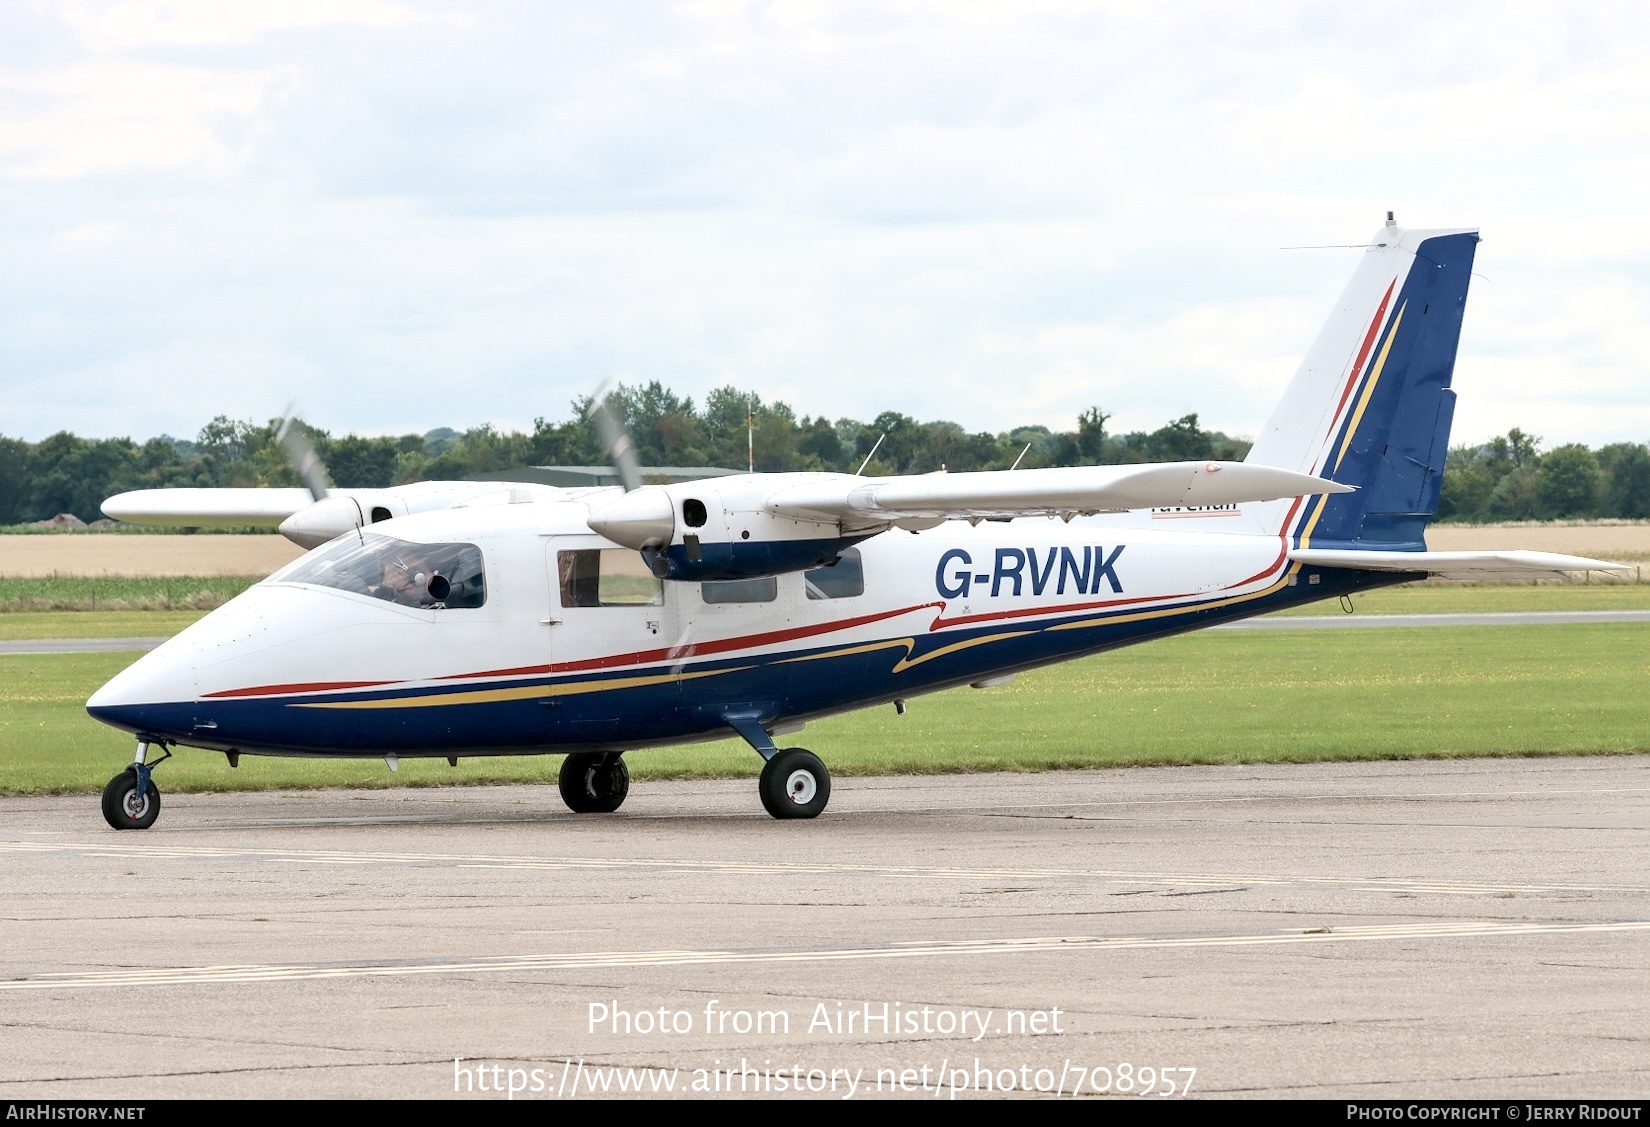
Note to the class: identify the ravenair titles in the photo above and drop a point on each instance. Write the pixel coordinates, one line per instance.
(1030, 571)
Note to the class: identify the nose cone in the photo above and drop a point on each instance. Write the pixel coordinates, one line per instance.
(642, 518)
(157, 694)
(154, 695)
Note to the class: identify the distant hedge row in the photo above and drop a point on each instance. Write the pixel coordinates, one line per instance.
(69, 474)
(1508, 478)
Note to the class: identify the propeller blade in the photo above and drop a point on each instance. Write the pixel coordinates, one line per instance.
(300, 453)
(615, 440)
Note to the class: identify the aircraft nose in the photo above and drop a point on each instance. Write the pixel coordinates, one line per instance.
(154, 695)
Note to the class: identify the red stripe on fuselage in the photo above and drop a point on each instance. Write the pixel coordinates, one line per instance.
(942, 622)
(302, 687)
(640, 657)
(697, 649)
(773, 637)
(1283, 550)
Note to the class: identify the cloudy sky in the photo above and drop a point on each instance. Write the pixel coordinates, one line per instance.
(413, 213)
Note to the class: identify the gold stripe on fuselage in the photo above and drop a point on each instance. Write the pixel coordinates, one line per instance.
(519, 692)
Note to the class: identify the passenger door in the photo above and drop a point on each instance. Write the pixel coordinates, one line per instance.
(607, 613)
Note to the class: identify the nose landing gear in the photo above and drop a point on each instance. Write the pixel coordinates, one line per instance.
(131, 801)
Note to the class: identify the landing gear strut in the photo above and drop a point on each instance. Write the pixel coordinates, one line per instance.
(593, 782)
(131, 801)
(794, 784)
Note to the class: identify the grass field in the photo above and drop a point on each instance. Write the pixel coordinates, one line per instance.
(1412, 599)
(1205, 698)
(200, 593)
(1476, 598)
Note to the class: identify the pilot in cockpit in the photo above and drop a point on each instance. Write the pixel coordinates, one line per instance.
(405, 580)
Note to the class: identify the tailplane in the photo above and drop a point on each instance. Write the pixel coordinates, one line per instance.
(1371, 404)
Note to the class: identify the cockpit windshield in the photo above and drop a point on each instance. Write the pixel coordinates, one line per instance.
(428, 576)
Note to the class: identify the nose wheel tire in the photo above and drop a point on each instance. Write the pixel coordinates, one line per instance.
(795, 784)
(125, 807)
(593, 783)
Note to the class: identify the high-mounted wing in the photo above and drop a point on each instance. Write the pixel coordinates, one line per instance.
(302, 519)
(1083, 490)
(1456, 565)
(752, 525)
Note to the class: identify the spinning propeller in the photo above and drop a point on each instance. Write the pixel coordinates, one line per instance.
(300, 453)
(332, 513)
(615, 439)
(644, 518)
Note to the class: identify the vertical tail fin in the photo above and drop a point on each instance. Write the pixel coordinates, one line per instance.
(1371, 404)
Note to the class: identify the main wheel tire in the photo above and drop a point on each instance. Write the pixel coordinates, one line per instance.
(124, 808)
(795, 784)
(592, 783)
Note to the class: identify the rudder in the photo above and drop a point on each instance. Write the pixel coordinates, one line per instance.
(1371, 405)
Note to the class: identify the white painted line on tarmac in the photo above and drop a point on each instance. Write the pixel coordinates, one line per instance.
(766, 867)
(298, 972)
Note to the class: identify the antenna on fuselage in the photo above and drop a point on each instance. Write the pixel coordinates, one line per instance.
(1021, 458)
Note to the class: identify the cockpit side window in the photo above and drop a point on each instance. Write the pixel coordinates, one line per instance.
(427, 576)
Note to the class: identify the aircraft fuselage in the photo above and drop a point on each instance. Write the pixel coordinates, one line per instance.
(564, 643)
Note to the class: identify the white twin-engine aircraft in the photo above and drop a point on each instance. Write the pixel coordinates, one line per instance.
(461, 619)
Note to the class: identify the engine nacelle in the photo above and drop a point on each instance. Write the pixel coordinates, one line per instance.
(314, 525)
(718, 529)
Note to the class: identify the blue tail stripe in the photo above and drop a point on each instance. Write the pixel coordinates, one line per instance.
(1396, 454)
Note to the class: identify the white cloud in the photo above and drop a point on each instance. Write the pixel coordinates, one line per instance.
(126, 24)
(105, 115)
(993, 213)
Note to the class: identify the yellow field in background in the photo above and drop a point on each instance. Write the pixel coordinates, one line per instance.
(91, 554)
(1615, 541)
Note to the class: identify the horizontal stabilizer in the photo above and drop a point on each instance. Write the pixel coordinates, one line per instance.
(1456, 565)
(1053, 492)
(207, 508)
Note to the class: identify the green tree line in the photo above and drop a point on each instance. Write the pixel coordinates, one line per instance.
(1505, 479)
(1509, 478)
(69, 474)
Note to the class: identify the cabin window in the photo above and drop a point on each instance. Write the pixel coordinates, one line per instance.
(607, 577)
(427, 576)
(764, 590)
(842, 579)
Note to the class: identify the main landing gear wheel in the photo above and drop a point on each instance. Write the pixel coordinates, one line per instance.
(795, 784)
(126, 806)
(593, 783)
